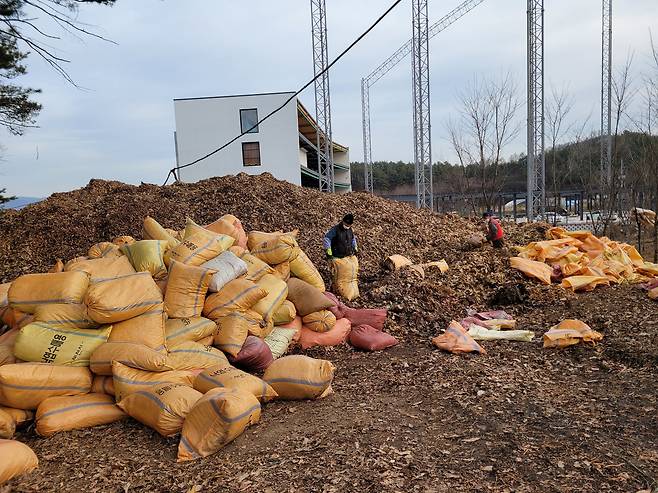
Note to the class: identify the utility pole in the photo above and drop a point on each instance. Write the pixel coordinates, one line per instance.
(536, 195)
(421, 93)
(322, 99)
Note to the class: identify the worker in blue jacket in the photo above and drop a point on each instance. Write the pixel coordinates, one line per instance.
(340, 242)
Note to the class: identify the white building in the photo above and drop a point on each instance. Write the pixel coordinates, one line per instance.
(284, 144)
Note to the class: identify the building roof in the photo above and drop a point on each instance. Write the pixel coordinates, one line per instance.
(236, 95)
(309, 128)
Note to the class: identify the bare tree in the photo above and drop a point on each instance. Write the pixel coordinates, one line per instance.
(486, 125)
(558, 108)
(463, 182)
(623, 93)
(645, 166)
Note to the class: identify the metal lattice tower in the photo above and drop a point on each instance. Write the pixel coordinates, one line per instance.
(420, 56)
(322, 99)
(367, 82)
(536, 198)
(606, 95)
(367, 149)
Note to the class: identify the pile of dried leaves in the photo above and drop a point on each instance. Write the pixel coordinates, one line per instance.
(413, 418)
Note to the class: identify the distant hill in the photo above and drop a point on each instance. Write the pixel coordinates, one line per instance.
(571, 166)
(20, 202)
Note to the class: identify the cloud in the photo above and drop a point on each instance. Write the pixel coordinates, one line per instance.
(122, 126)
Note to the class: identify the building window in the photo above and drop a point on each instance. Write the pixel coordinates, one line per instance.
(249, 118)
(251, 154)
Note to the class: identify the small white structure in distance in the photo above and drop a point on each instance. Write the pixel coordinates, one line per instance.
(284, 145)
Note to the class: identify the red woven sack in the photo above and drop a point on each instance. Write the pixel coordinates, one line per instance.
(375, 317)
(255, 356)
(370, 339)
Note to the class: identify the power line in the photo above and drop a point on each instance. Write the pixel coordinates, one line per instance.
(174, 170)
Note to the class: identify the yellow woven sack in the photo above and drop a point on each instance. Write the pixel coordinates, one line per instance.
(103, 385)
(280, 249)
(57, 267)
(237, 295)
(132, 355)
(285, 314)
(322, 321)
(192, 228)
(256, 268)
(201, 247)
(43, 343)
(17, 459)
(25, 385)
(130, 380)
(206, 341)
(123, 240)
(123, 298)
(233, 329)
(241, 236)
(66, 413)
(224, 226)
(277, 291)
(147, 256)
(229, 377)
(218, 418)
(162, 407)
(279, 340)
(67, 265)
(282, 271)
(20, 416)
(187, 286)
(532, 268)
(7, 425)
(65, 316)
(152, 230)
(255, 238)
(147, 329)
(299, 377)
(104, 268)
(31, 290)
(192, 355)
(344, 274)
(7, 355)
(179, 330)
(303, 268)
(104, 249)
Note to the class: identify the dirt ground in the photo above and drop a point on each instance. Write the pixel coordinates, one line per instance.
(412, 418)
(519, 419)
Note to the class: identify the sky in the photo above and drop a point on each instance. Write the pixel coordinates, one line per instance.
(120, 124)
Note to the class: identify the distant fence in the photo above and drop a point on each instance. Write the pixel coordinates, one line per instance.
(511, 205)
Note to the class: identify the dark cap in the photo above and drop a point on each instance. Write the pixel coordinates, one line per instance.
(487, 214)
(348, 218)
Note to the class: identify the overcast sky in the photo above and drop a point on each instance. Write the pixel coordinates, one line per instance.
(121, 126)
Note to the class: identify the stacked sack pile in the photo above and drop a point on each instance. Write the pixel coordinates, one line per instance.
(170, 330)
(582, 261)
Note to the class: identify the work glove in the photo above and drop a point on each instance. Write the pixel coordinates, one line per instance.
(329, 254)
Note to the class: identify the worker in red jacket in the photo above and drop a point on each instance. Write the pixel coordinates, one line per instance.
(493, 229)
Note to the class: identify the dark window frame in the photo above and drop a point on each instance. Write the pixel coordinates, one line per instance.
(243, 156)
(242, 127)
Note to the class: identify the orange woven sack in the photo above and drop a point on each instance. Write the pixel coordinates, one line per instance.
(333, 337)
(456, 340)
